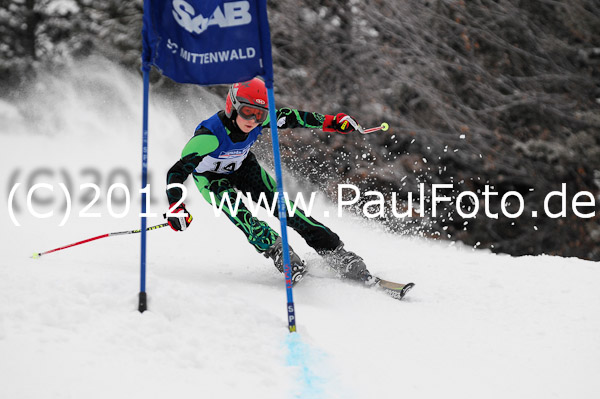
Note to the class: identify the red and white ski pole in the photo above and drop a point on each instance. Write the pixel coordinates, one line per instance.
(383, 127)
(37, 255)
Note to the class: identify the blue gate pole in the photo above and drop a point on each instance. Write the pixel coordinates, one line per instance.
(282, 213)
(142, 305)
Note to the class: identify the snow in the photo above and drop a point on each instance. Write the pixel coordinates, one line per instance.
(8, 111)
(475, 325)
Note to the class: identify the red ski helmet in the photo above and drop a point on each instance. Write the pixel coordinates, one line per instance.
(249, 99)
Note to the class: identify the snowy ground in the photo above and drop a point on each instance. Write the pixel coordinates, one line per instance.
(477, 325)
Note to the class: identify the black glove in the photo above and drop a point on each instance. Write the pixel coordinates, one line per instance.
(340, 123)
(179, 222)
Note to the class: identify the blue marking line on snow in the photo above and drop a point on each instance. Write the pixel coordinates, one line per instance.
(303, 357)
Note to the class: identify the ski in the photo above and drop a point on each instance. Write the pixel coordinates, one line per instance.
(395, 290)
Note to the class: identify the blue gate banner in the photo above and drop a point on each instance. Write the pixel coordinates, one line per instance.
(207, 42)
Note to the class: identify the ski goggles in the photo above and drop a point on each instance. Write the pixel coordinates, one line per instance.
(250, 112)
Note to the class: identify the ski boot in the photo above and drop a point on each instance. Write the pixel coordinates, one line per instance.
(351, 266)
(348, 264)
(297, 264)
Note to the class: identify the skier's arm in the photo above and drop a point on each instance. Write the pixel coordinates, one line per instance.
(289, 118)
(195, 150)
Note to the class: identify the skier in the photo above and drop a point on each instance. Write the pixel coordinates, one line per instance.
(218, 157)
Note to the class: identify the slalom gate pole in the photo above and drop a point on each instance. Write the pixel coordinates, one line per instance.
(142, 304)
(39, 254)
(282, 213)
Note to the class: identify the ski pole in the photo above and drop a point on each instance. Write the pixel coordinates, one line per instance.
(384, 127)
(37, 255)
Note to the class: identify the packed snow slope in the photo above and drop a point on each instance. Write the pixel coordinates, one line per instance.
(477, 325)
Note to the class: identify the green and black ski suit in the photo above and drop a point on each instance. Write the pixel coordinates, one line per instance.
(220, 160)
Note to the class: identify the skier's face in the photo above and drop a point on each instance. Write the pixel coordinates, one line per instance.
(245, 125)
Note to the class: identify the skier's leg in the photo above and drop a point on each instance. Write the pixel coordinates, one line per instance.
(252, 178)
(258, 233)
(264, 239)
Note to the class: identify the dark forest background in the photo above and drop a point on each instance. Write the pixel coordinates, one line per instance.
(504, 93)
